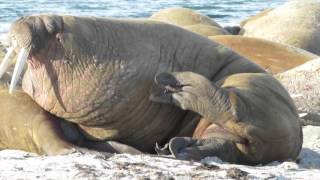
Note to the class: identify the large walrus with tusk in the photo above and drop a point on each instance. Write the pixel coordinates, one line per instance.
(26, 126)
(98, 74)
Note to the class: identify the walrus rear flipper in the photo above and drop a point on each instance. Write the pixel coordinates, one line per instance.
(187, 148)
(312, 119)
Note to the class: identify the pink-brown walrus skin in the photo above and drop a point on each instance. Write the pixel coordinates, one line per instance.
(98, 74)
(24, 125)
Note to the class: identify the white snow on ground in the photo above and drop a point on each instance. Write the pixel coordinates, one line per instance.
(23, 165)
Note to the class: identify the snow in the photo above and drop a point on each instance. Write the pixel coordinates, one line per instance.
(93, 165)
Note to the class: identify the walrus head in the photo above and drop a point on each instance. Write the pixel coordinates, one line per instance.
(75, 68)
(27, 36)
(58, 76)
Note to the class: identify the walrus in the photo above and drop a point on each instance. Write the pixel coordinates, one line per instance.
(274, 57)
(190, 20)
(26, 126)
(294, 23)
(302, 82)
(295, 68)
(98, 73)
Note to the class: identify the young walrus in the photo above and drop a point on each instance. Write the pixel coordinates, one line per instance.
(24, 125)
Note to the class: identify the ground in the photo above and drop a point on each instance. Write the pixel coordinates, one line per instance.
(22, 165)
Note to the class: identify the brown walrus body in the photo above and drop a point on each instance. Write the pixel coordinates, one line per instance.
(98, 74)
(26, 126)
(272, 56)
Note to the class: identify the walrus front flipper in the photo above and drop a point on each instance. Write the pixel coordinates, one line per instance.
(191, 91)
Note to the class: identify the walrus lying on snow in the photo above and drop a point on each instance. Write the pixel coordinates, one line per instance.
(98, 74)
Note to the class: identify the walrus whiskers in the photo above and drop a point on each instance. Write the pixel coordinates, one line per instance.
(6, 61)
(21, 61)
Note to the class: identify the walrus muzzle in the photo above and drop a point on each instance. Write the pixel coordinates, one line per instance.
(26, 35)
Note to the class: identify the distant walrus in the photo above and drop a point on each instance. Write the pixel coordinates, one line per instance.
(295, 23)
(190, 20)
(303, 84)
(98, 74)
(272, 56)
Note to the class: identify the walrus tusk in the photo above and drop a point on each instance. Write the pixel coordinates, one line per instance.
(21, 61)
(6, 61)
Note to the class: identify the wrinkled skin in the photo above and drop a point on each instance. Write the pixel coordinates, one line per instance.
(26, 126)
(272, 56)
(98, 74)
(295, 23)
(190, 20)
